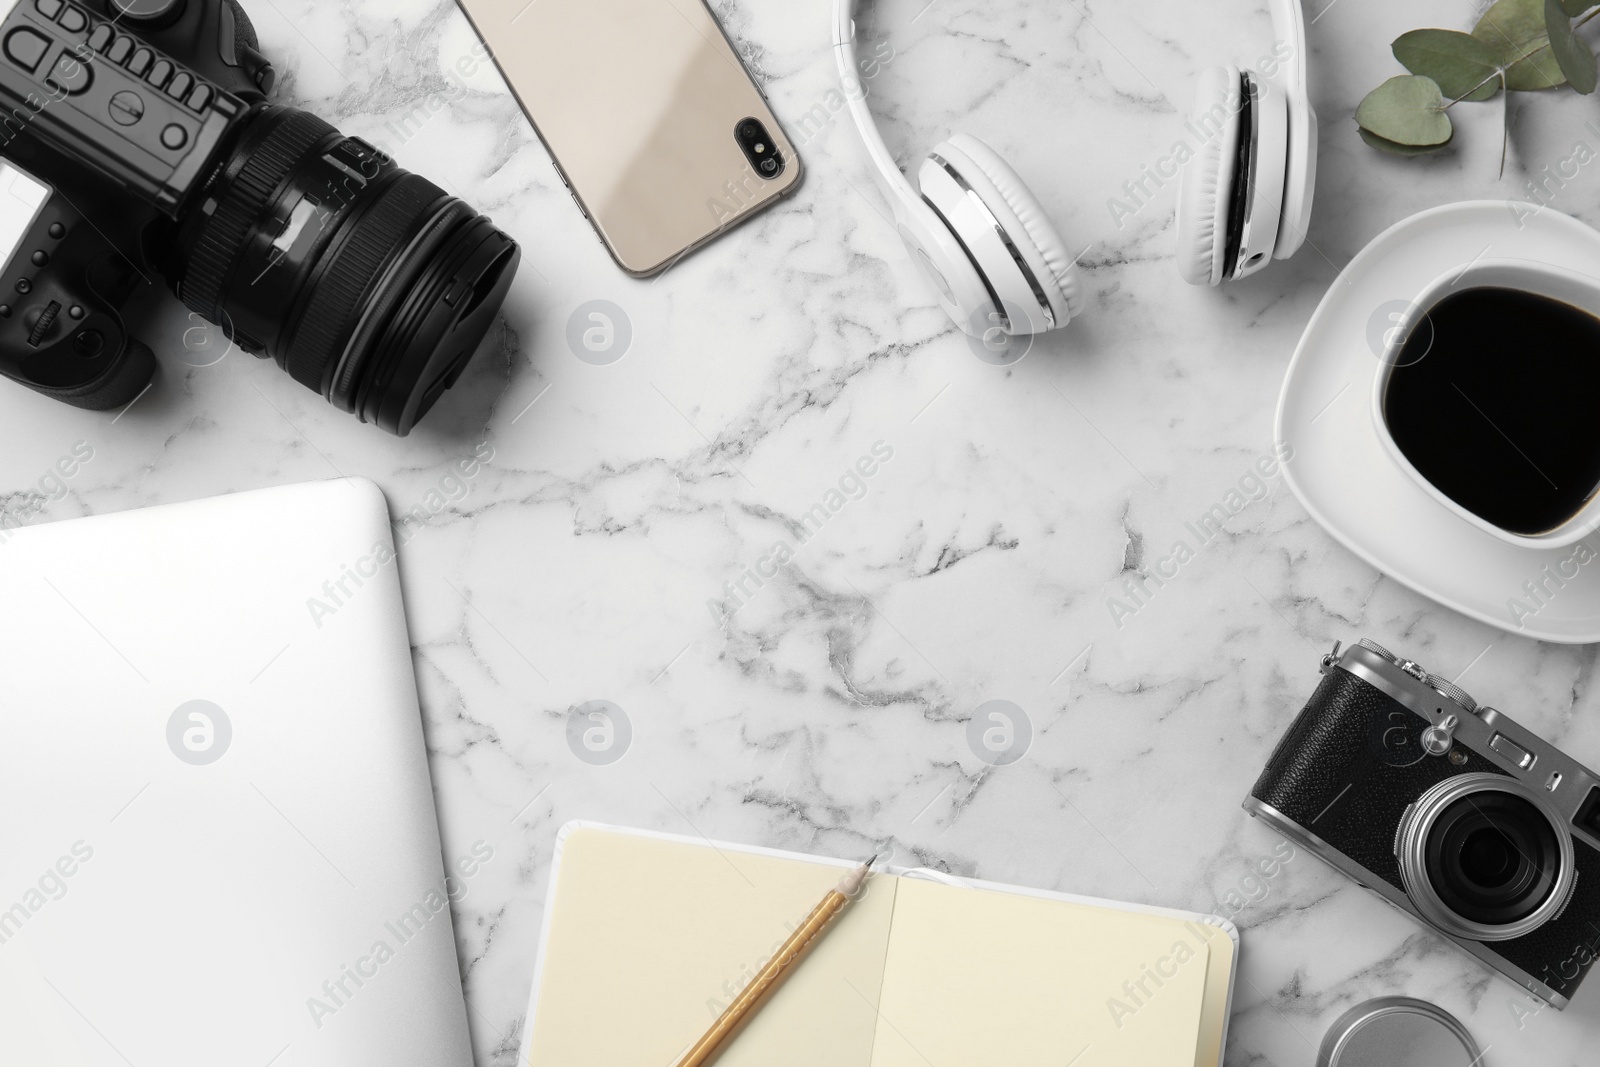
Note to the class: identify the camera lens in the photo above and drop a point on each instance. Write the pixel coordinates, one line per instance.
(758, 148)
(1483, 858)
(1493, 858)
(1488, 858)
(364, 281)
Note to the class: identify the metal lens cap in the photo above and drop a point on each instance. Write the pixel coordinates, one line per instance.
(1398, 1032)
(152, 14)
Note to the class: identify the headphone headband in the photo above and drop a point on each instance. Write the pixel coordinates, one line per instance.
(896, 187)
(1289, 24)
(844, 24)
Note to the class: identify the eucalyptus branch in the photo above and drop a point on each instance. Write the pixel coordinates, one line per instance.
(1501, 74)
(1516, 46)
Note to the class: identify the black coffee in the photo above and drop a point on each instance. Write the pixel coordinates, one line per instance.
(1496, 406)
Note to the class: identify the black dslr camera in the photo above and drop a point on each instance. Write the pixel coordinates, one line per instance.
(136, 142)
(1449, 811)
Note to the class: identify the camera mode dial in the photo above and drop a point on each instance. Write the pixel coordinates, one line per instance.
(148, 14)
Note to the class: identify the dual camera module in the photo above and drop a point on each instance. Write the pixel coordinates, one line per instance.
(758, 148)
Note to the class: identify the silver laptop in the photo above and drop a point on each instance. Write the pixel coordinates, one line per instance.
(218, 842)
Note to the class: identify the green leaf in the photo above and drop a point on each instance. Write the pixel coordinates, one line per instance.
(1407, 110)
(1576, 7)
(1394, 148)
(1575, 57)
(1464, 66)
(1517, 29)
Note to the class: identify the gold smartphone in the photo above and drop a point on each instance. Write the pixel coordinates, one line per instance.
(652, 121)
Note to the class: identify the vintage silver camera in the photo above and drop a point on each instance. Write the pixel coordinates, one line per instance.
(1450, 811)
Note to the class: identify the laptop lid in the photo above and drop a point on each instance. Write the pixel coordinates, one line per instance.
(219, 842)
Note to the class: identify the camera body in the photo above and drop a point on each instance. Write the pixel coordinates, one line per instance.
(1449, 811)
(138, 144)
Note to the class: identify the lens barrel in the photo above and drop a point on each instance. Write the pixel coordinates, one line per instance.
(367, 283)
(1484, 858)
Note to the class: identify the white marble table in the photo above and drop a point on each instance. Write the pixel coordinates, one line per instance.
(830, 710)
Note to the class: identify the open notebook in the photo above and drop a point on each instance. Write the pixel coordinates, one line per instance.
(648, 937)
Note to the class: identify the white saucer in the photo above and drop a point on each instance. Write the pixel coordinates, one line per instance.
(1349, 483)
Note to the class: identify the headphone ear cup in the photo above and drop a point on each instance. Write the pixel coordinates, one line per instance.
(1266, 124)
(941, 258)
(1004, 230)
(1014, 194)
(1205, 191)
(1300, 183)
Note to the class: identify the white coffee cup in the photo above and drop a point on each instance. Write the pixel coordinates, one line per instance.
(1569, 287)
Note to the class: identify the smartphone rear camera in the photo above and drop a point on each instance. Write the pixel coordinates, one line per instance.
(756, 143)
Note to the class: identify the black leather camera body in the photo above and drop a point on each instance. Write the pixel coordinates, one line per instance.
(137, 144)
(1450, 811)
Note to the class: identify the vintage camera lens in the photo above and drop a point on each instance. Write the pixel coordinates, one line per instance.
(1483, 858)
(1488, 857)
(1492, 858)
(364, 281)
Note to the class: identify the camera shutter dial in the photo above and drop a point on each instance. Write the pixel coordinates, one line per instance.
(1373, 646)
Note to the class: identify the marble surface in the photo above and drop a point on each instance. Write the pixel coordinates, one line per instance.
(829, 709)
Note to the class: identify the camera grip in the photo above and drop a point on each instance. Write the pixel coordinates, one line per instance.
(127, 372)
(1324, 748)
(127, 376)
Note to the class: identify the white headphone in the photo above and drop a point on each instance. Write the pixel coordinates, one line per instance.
(1245, 196)
(975, 230)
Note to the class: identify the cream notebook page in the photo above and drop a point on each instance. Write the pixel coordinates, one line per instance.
(650, 938)
(976, 978)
